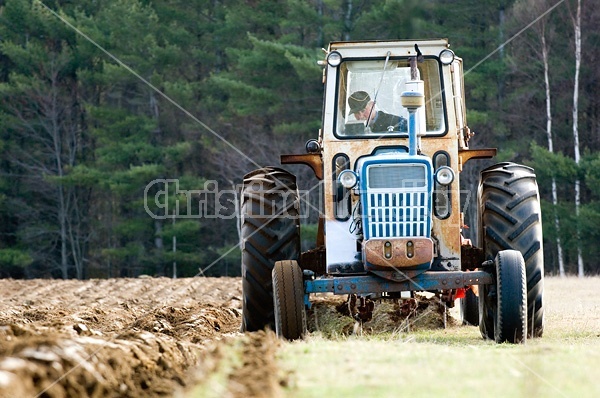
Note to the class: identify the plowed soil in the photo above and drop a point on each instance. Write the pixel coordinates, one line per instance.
(109, 338)
(152, 337)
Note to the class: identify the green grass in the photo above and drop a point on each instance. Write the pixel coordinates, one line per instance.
(457, 362)
(454, 362)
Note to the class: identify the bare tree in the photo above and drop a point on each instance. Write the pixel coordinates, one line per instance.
(577, 28)
(45, 120)
(348, 21)
(545, 51)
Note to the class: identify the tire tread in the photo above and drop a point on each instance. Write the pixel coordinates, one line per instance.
(508, 192)
(270, 232)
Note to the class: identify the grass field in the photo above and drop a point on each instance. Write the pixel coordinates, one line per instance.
(456, 361)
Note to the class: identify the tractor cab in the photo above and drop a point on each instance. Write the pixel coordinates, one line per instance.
(393, 126)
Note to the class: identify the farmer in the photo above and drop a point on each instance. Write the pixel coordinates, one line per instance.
(364, 109)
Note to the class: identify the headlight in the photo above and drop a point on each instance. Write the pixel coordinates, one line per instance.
(313, 146)
(446, 56)
(348, 179)
(334, 58)
(444, 175)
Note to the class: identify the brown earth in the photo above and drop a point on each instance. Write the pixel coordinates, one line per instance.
(115, 337)
(157, 336)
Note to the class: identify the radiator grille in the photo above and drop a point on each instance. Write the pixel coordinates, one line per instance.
(399, 214)
(397, 176)
(397, 199)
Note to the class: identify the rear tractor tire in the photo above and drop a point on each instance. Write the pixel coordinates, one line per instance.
(288, 299)
(469, 308)
(510, 219)
(270, 233)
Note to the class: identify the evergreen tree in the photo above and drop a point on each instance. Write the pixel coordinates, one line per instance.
(44, 137)
(204, 91)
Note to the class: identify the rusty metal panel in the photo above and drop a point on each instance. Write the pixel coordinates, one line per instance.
(467, 154)
(398, 252)
(313, 160)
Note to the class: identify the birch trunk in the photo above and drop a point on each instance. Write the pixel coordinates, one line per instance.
(348, 21)
(577, 26)
(561, 264)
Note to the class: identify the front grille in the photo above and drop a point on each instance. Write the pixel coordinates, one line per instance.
(397, 214)
(397, 176)
(396, 200)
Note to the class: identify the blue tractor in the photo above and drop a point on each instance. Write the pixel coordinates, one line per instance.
(393, 143)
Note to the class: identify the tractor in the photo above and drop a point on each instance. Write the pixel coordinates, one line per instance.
(393, 142)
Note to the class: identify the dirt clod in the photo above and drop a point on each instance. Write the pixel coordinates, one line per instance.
(109, 338)
(257, 375)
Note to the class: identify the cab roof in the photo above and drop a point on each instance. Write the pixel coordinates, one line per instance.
(380, 48)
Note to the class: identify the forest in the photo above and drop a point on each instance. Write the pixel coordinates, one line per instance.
(106, 103)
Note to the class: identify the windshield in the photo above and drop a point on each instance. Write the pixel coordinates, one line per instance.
(369, 98)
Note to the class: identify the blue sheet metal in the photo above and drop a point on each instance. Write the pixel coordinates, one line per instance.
(365, 284)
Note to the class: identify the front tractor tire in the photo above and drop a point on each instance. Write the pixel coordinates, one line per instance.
(506, 301)
(270, 232)
(510, 219)
(288, 299)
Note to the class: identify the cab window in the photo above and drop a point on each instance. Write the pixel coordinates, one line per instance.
(369, 98)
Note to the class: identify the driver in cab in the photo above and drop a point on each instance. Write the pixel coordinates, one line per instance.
(363, 108)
